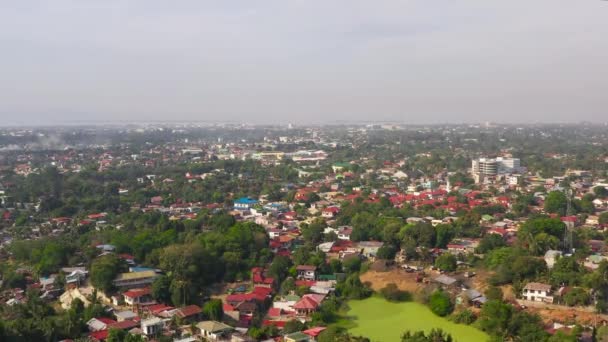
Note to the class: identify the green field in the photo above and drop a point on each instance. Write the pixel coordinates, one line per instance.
(385, 321)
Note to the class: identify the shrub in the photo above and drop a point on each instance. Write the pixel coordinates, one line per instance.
(440, 303)
(393, 294)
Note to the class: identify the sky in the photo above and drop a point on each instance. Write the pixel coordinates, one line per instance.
(303, 61)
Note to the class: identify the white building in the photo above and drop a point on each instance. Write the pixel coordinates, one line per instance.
(152, 326)
(537, 292)
(214, 331)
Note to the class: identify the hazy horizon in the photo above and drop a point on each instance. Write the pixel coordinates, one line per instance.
(415, 61)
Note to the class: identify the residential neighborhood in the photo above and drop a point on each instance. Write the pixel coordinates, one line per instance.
(268, 233)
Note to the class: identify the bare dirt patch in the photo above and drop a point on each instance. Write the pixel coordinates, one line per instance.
(404, 281)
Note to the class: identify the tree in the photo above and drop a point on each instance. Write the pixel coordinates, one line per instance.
(313, 233)
(494, 317)
(435, 335)
(334, 334)
(603, 219)
(104, 270)
(600, 191)
(490, 242)
(440, 303)
(117, 335)
(577, 296)
(279, 267)
(422, 233)
(446, 262)
(541, 234)
(161, 289)
(288, 285)
(444, 234)
(494, 293)
(352, 264)
(556, 202)
(214, 310)
(393, 294)
(464, 317)
(293, 326)
(566, 271)
(353, 288)
(387, 252)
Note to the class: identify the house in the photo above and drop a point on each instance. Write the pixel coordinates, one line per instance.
(126, 315)
(314, 332)
(76, 277)
(307, 272)
(286, 303)
(537, 292)
(99, 324)
(214, 331)
(152, 326)
(445, 280)
(344, 232)
(135, 279)
(297, 337)
(244, 203)
(308, 304)
(188, 313)
(330, 212)
(259, 278)
(139, 297)
(551, 257)
(369, 249)
(474, 297)
(462, 246)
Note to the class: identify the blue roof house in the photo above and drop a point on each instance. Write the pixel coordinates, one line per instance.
(244, 203)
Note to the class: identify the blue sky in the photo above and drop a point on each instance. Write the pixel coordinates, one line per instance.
(415, 61)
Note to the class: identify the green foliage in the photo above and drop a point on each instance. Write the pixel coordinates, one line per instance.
(435, 335)
(494, 293)
(600, 191)
(387, 252)
(293, 326)
(313, 233)
(577, 296)
(118, 335)
(440, 303)
(490, 242)
(192, 268)
(279, 267)
(393, 294)
(556, 202)
(494, 317)
(603, 218)
(352, 264)
(214, 310)
(464, 317)
(541, 234)
(353, 288)
(335, 334)
(161, 289)
(444, 234)
(423, 234)
(104, 270)
(446, 262)
(566, 271)
(501, 320)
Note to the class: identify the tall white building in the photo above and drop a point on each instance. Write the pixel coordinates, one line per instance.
(508, 165)
(490, 167)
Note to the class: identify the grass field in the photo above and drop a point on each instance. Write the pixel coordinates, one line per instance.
(385, 321)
